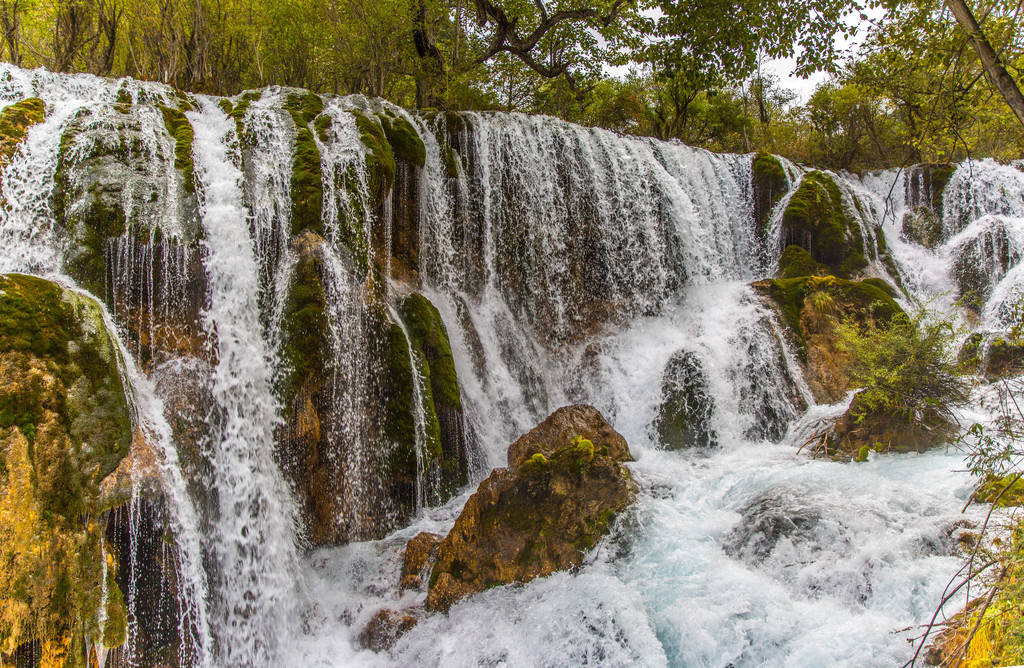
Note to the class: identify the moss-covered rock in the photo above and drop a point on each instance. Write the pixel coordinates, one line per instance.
(815, 219)
(65, 425)
(796, 262)
(380, 159)
(687, 407)
(15, 121)
(405, 142)
(770, 184)
(861, 429)
(442, 405)
(811, 306)
(307, 179)
(307, 447)
(180, 129)
(529, 521)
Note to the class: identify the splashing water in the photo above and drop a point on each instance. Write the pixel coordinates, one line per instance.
(567, 264)
(253, 544)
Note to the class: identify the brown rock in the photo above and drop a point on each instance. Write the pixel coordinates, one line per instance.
(419, 552)
(541, 516)
(561, 427)
(860, 427)
(385, 628)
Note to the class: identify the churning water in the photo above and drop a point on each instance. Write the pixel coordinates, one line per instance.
(569, 265)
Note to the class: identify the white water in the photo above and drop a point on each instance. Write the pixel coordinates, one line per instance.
(253, 543)
(568, 265)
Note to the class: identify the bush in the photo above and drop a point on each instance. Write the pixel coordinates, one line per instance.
(906, 366)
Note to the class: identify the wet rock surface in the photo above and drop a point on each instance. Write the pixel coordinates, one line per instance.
(558, 497)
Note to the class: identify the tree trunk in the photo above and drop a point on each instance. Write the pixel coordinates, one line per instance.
(994, 69)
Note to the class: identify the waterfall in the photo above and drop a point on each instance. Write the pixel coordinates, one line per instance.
(566, 264)
(253, 545)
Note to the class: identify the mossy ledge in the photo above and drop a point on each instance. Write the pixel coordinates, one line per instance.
(380, 159)
(180, 129)
(810, 307)
(307, 180)
(65, 425)
(15, 122)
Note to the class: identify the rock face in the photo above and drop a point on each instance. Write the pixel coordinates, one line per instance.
(684, 420)
(925, 185)
(564, 485)
(65, 425)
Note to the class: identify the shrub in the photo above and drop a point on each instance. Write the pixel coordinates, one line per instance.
(906, 366)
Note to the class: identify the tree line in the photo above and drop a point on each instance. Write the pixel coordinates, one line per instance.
(934, 80)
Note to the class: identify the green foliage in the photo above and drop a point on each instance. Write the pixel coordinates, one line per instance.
(905, 366)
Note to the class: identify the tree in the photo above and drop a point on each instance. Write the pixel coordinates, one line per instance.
(995, 71)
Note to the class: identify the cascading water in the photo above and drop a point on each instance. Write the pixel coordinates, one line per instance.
(253, 544)
(567, 265)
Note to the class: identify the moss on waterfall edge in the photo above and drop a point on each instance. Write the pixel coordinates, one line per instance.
(816, 220)
(15, 121)
(180, 129)
(307, 189)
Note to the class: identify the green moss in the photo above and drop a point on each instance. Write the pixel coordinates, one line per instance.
(380, 160)
(399, 421)
(64, 393)
(179, 127)
(405, 142)
(307, 179)
(92, 228)
(1012, 490)
(796, 262)
(536, 464)
(868, 296)
(815, 219)
(237, 111)
(862, 455)
(305, 324)
(15, 121)
(442, 403)
(431, 337)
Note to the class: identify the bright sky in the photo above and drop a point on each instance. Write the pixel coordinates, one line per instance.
(784, 67)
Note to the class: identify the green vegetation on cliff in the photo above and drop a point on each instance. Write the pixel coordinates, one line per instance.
(442, 404)
(15, 122)
(65, 424)
(181, 131)
(816, 220)
(307, 180)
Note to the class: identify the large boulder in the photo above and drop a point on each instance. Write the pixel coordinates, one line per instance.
(65, 426)
(563, 488)
(687, 407)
